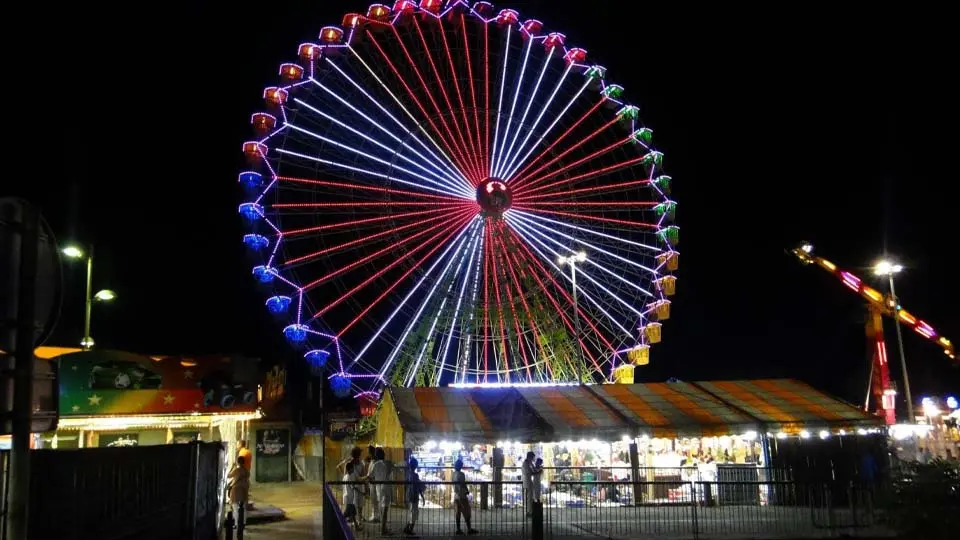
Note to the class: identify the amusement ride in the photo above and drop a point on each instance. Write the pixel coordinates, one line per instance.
(442, 193)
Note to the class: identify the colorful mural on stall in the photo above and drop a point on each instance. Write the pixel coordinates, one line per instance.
(121, 383)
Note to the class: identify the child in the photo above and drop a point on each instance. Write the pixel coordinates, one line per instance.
(415, 489)
(350, 496)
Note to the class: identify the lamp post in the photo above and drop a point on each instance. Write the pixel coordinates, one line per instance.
(104, 295)
(888, 269)
(573, 260)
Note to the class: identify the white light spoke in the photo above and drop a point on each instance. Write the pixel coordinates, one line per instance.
(505, 160)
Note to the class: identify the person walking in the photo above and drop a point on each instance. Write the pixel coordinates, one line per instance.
(239, 493)
(414, 494)
(350, 492)
(461, 498)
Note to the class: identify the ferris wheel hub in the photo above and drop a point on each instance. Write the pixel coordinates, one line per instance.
(494, 196)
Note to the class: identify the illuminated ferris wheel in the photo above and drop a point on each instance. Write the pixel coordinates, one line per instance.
(446, 193)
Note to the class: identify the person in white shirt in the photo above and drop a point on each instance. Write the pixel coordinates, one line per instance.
(537, 479)
(527, 477)
(350, 494)
(380, 473)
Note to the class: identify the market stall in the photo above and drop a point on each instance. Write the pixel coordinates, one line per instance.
(653, 442)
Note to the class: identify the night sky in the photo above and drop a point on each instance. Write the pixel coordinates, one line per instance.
(838, 128)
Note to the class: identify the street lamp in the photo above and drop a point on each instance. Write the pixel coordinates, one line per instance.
(573, 260)
(888, 269)
(104, 295)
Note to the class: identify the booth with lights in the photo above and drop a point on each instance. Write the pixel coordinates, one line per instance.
(114, 398)
(655, 440)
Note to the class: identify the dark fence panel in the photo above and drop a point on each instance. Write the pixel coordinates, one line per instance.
(611, 509)
(147, 492)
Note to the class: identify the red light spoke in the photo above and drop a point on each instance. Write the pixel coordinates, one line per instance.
(472, 147)
(473, 93)
(413, 96)
(389, 248)
(569, 166)
(403, 277)
(526, 308)
(556, 304)
(385, 205)
(354, 223)
(361, 187)
(428, 242)
(436, 106)
(589, 174)
(362, 240)
(520, 175)
(486, 304)
(590, 218)
(510, 302)
(601, 205)
(564, 154)
(594, 189)
(496, 288)
(486, 110)
(583, 315)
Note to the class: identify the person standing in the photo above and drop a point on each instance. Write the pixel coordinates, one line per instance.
(527, 476)
(414, 494)
(239, 493)
(380, 475)
(350, 494)
(244, 452)
(461, 498)
(537, 479)
(371, 489)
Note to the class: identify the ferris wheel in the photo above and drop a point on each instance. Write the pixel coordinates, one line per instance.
(443, 193)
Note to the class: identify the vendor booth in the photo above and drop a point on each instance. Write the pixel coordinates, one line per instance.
(655, 438)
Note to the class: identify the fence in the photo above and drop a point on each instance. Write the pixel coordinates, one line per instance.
(148, 492)
(612, 509)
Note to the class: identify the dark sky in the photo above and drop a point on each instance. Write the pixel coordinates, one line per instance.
(778, 126)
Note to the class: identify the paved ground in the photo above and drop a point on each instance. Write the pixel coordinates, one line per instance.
(301, 503)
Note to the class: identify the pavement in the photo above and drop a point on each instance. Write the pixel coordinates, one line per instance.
(299, 506)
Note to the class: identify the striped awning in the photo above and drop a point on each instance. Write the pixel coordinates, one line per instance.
(788, 405)
(675, 409)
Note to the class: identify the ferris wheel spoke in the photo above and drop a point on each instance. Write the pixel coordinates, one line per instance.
(521, 125)
(531, 261)
(438, 240)
(473, 93)
(516, 176)
(615, 221)
(433, 326)
(503, 80)
(566, 182)
(467, 347)
(540, 220)
(486, 305)
(531, 181)
(510, 302)
(446, 162)
(446, 188)
(583, 191)
(496, 287)
(487, 158)
(513, 107)
(526, 307)
(451, 149)
(368, 172)
(459, 242)
(509, 169)
(464, 148)
(538, 237)
(341, 185)
(443, 178)
(456, 311)
(360, 241)
(426, 275)
(472, 146)
(392, 247)
(584, 316)
(357, 222)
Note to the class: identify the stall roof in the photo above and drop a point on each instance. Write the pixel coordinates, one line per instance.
(686, 409)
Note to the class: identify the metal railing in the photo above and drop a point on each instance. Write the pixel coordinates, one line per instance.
(622, 509)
